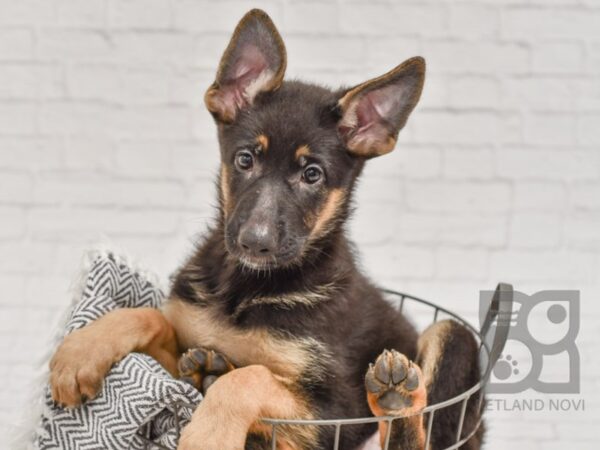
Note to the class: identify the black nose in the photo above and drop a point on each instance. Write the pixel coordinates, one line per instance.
(258, 239)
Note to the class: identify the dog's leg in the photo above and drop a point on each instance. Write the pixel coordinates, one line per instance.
(446, 365)
(201, 367)
(395, 387)
(86, 355)
(449, 357)
(232, 409)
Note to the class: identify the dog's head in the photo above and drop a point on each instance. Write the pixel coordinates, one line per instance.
(291, 151)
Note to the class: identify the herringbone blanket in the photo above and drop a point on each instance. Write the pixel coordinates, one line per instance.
(138, 394)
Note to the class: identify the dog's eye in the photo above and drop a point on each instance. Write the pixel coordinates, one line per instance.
(244, 160)
(312, 174)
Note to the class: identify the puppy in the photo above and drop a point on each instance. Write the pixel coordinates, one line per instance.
(271, 310)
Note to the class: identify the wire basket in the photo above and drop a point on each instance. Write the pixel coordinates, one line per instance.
(490, 348)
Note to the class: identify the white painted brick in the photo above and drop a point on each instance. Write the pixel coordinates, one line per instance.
(589, 130)
(143, 158)
(31, 81)
(488, 230)
(461, 264)
(583, 231)
(72, 118)
(551, 268)
(587, 93)
(75, 13)
(72, 44)
(547, 165)
(146, 14)
(154, 122)
(27, 12)
(473, 20)
(15, 187)
(539, 196)
(524, 22)
(119, 85)
(450, 128)
(535, 230)
(16, 44)
(465, 163)
(25, 257)
(585, 196)
(476, 57)
(558, 57)
(309, 53)
(437, 196)
(374, 18)
(461, 91)
(156, 48)
(404, 262)
(18, 118)
(30, 154)
(12, 223)
(193, 14)
(551, 129)
(435, 95)
(300, 17)
(86, 153)
(539, 94)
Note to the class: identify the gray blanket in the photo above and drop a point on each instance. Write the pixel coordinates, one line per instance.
(138, 395)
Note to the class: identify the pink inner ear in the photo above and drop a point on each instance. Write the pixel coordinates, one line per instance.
(248, 67)
(366, 113)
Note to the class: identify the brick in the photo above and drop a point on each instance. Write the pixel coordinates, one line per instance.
(461, 92)
(75, 13)
(27, 12)
(536, 23)
(589, 129)
(155, 48)
(472, 20)
(16, 44)
(207, 16)
(539, 196)
(418, 163)
(70, 44)
(25, 257)
(444, 56)
(83, 153)
(15, 188)
(340, 52)
(489, 230)
(118, 85)
(457, 128)
(18, 118)
(547, 165)
(436, 94)
(78, 118)
(538, 93)
(558, 57)
(436, 196)
(391, 19)
(31, 81)
(89, 224)
(465, 163)
(154, 122)
(300, 17)
(550, 268)
(550, 129)
(585, 196)
(144, 158)
(582, 231)
(12, 223)
(404, 262)
(144, 14)
(31, 153)
(535, 230)
(461, 264)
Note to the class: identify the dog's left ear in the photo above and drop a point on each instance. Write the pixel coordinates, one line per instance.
(253, 62)
(373, 113)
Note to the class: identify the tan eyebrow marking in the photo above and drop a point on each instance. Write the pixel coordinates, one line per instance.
(303, 150)
(263, 141)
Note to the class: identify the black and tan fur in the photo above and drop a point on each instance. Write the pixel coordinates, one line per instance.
(271, 309)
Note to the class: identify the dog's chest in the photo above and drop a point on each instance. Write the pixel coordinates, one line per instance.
(198, 326)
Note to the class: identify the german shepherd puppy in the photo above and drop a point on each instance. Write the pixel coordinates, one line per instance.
(272, 302)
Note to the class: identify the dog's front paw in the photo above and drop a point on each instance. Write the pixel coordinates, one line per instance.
(395, 385)
(201, 367)
(78, 368)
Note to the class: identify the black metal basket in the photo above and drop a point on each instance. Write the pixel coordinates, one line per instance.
(490, 348)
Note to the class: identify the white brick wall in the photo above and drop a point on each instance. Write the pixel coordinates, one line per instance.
(496, 177)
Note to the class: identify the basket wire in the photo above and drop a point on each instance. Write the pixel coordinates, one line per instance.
(500, 307)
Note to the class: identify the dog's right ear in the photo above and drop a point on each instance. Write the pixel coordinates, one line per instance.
(253, 62)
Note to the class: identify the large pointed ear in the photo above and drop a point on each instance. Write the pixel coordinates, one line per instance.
(253, 62)
(373, 113)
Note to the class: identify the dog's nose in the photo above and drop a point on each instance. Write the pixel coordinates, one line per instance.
(257, 239)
